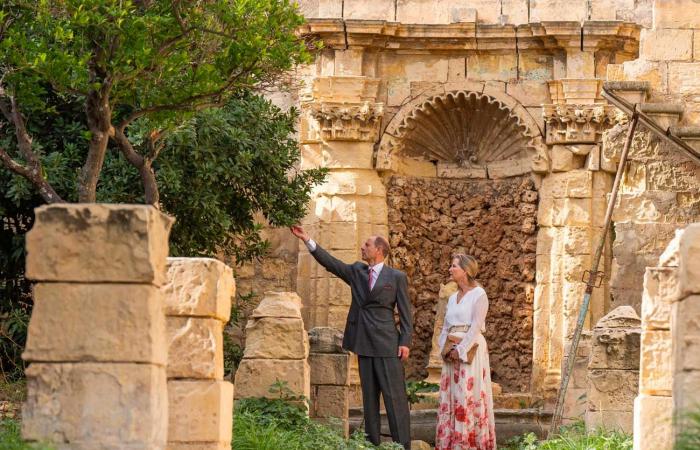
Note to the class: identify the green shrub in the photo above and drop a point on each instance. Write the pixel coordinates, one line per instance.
(574, 437)
(415, 389)
(282, 422)
(10, 438)
(689, 437)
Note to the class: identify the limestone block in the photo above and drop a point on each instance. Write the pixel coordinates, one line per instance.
(689, 255)
(326, 340)
(564, 160)
(330, 401)
(195, 348)
(575, 403)
(573, 184)
(529, 92)
(328, 368)
(254, 377)
(684, 78)
(653, 422)
(666, 45)
(620, 317)
(676, 14)
(685, 330)
(696, 47)
(201, 287)
(650, 206)
(610, 420)
(653, 72)
(615, 348)
(612, 390)
(612, 10)
(436, 11)
(564, 212)
(98, 243)
(456, 69)
(276, 338)
(492, 67)
(73, 322)
(278, 304)
(97, 405)
(558, 10)
(369, 10)
(347, 155)
(514, 12)
(348, 62)
(656, 363)
(660, 290)
(200, 411)
(508, 168)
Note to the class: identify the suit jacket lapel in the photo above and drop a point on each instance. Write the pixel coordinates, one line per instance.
(381, 281)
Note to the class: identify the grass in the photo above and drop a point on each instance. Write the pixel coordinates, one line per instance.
(689, 437)
(574, 437)
(10, 438)
(13, 391)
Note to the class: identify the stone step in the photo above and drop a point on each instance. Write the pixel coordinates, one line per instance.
(691, 135)
(509, 423)
(665, 114)
(632, 91)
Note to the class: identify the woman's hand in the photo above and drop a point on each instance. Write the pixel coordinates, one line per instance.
(453, 356)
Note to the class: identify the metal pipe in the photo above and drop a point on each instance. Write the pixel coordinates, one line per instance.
(592, 277)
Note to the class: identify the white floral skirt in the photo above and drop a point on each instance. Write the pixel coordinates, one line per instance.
(465, 414)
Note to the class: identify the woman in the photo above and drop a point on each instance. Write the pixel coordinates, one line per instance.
(465, 416)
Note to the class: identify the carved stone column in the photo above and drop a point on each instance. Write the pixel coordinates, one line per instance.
(573, 200)
(340, 124)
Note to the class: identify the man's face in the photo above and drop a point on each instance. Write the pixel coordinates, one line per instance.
(368, 250)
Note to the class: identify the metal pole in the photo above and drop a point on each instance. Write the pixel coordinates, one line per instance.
(593, 276)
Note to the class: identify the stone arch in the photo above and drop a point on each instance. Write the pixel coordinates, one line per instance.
(471, 127)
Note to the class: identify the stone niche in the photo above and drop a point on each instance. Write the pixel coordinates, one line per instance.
(493, 220)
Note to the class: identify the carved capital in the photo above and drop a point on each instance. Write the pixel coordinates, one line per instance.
(348, 121)
(577, 124)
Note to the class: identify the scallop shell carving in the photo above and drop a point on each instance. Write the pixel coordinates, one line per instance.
(468, 128)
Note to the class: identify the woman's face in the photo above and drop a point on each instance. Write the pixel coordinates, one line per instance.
(456, 271)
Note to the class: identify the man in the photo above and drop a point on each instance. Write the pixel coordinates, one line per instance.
(370, 331)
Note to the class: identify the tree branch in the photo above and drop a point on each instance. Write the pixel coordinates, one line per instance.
(46, 191)
(33, 170)
(142, 164)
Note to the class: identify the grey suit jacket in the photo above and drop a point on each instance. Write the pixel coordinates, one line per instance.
(370, 329)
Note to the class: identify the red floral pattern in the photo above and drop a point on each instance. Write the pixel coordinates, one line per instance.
(465, 414)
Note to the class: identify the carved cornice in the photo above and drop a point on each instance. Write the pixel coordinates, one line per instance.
(470, 36)
(577, 124)
(347, 121)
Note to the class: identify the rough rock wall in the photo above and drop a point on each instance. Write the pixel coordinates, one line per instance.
(493, 220)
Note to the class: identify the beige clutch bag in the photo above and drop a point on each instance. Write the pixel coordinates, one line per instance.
(453, 340)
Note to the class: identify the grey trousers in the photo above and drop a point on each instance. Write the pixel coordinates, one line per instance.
(385, 376)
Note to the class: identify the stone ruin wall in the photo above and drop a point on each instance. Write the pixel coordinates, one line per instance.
(493, 220)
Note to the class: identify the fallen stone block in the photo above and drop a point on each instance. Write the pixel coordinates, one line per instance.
(76, 322)
(123, 243)
(199, 287)
(200, 411)
(195, 348)
(96, 405)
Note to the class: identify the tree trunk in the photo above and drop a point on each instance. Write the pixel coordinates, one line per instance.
(150, 187)
(99, 115)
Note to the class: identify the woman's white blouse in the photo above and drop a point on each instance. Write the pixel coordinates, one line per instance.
(471, 310)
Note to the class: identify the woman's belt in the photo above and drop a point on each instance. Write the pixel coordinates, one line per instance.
(458, 329)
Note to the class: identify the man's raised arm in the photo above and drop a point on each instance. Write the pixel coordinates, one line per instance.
(331, 263)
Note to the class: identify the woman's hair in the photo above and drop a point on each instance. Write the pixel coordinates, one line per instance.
(468, 264)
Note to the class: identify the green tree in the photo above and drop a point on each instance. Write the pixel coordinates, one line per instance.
(139, 69)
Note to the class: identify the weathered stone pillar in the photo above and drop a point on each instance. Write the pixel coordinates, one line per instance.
(277, 348)
(96, 340)
(613, 370)
(198, 304)
(685, 327)
(575, 402)
(330, 370)
(571, 213)
(339, 128)
(653, 407)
